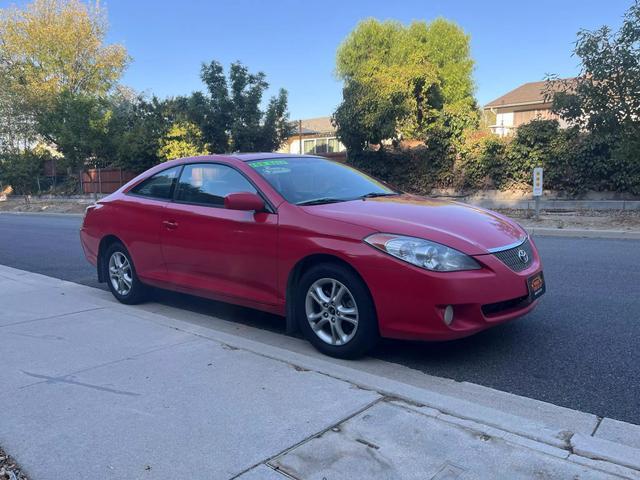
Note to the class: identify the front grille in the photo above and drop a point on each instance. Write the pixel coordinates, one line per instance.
(499, 307)
(513, 259)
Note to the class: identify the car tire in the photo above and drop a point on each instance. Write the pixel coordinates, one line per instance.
(121, 277)
(342, 326)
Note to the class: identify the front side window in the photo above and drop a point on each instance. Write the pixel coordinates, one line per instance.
(158, 186)
(208, 184)
(309, 180)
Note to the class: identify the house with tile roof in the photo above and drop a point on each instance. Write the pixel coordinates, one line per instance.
(314, 136)
(520, 106)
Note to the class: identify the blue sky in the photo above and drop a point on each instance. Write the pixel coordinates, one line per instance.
(294, 42)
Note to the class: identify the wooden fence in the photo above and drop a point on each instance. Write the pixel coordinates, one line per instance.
(104, 180)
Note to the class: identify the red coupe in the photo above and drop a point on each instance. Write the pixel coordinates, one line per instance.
(344, 257)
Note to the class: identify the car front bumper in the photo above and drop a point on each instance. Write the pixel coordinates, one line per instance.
(410, 301)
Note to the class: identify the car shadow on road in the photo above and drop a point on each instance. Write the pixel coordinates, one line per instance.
(397, 351)
(225, 311)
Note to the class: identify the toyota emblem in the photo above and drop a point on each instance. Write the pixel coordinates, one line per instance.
(523, 256)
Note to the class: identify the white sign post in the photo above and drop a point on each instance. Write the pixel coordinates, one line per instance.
(537, 188)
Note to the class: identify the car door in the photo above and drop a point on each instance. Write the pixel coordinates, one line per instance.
(209, 248)
(137, 221)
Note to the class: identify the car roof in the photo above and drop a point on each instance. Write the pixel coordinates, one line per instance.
(248, 157)
(243, 157)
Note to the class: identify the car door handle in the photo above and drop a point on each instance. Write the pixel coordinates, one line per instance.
(170, 224)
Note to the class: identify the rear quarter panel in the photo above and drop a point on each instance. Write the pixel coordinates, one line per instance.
(136, 222)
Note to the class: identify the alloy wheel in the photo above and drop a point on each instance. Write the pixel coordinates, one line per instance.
(331, 311)
(120, 273)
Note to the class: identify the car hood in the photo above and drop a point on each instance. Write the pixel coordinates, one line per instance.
(469, 229)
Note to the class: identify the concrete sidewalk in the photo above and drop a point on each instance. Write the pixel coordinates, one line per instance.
(94, 389)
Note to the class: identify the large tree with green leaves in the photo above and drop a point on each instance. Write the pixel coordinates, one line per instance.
(605, 97)
(404, 82)
(182, 139)
(604, 100)
(57, 72)
(55, 46)
(230, 114)
(135, 129)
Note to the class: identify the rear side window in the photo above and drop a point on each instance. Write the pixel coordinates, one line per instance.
(158, 186)
(208, 184)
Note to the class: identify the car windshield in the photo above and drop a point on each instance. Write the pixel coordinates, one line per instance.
(314, 180)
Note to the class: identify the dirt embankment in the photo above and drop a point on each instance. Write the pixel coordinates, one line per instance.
(627, 220)
(44, 206)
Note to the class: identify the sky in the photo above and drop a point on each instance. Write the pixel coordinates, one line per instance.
(294, 42)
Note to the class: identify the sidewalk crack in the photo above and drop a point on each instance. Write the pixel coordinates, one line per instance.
(62, 378)
(311, 437)
(50, 317)
(595, 429)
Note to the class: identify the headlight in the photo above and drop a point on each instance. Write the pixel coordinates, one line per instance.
(422, 253)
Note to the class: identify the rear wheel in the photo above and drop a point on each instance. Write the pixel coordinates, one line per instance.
(335, 311)
(121, 276)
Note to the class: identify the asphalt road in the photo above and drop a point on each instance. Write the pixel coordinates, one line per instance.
(580, 348)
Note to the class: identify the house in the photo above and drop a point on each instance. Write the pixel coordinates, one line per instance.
(316, 136)
(520, 106)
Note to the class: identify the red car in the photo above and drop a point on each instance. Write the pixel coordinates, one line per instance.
(344, 257)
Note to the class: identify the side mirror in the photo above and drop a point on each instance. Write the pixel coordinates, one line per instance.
(244, 201)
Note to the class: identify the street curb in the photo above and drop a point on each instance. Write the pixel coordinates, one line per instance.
(583, 233)
(599, 449)
(48, 214)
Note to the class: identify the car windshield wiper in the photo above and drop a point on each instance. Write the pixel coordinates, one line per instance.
(320, 201)
(378, 194)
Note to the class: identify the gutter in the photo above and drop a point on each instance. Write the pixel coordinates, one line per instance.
(491, 107)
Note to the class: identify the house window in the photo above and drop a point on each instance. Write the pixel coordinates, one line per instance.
(309, 146)
(322, 145)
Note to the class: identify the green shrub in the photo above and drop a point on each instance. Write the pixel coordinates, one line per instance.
(625, 165)
(534, 145)
(481, 163)
(416, 170)
(21, 170)
(574, 161)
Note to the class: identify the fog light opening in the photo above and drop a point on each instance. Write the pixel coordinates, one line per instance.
(448, 315)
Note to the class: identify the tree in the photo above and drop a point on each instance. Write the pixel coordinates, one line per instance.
(57, 72)
(364, 118)
(605, 97)
(604, 102)
(135, 130)
(404, 82)
(56, 46)
(22, 169)
(17, 126)
(183, 139)
(77, 125)
(230, 115)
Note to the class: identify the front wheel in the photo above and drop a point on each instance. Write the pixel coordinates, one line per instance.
(335, 311)
(121, 276)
